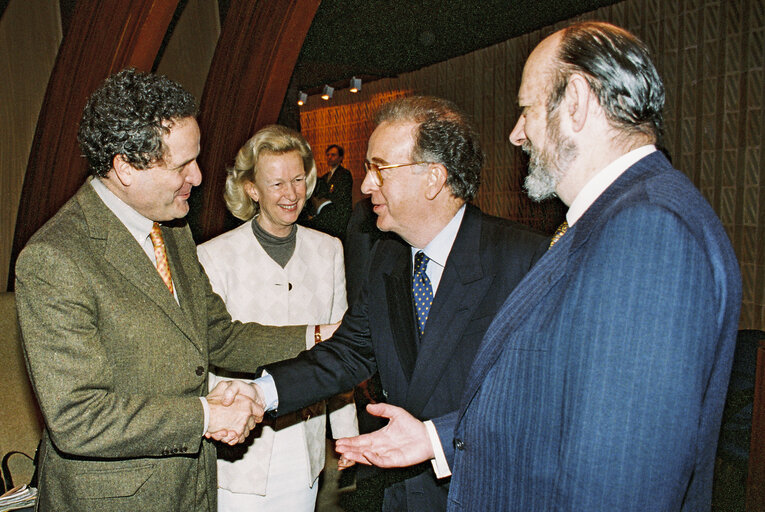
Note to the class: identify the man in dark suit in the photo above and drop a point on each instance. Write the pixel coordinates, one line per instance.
(120, 324)
(600, 384)
(332, 201)
(339, 182)
(423, 164)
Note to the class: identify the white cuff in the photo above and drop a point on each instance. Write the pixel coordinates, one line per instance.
(268, 387)
(206, 408)
(310, 341)
(440, 466)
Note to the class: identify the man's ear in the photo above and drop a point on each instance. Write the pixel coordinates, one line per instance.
(436, 180)
(123, 170)
(578, 100)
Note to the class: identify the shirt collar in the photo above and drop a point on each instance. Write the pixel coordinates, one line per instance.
(602, 180)
(439, 248)
(138, 225)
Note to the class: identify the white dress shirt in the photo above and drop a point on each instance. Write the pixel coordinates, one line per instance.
(602, 180)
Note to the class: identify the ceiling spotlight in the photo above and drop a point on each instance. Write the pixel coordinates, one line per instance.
(355, 84)
(327, 93)
(302, 98)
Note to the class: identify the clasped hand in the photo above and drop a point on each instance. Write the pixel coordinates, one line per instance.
(235, 408)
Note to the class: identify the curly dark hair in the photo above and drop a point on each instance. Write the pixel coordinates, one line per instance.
(445, 135)
(618, 68)
(128, 115)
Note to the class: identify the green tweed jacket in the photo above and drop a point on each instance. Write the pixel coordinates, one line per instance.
(118, 366)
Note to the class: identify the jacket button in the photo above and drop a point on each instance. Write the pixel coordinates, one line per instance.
(458, 444)
(200, 371)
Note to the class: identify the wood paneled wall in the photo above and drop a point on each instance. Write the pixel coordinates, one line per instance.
(244, 86)
(711, 55)
(30, 33)
(103, 37)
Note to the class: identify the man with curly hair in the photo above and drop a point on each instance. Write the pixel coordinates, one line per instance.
(120, 324)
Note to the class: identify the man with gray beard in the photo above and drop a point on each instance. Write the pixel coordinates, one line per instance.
(600, 384)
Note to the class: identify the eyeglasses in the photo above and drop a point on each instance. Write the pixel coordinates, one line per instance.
(375, 169)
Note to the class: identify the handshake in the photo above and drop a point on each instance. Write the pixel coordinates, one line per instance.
(235, 408)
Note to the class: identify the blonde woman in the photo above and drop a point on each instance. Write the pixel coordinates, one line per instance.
(272, 271)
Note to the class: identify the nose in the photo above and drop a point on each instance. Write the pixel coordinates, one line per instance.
(194, 174)
(290, 192)
(368, 185)
(518, 135)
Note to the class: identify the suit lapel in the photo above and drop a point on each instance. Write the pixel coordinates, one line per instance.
(548, 272)
(545, 275)
(398, 294)
(188, 294)
(459, 293)
(127, 257)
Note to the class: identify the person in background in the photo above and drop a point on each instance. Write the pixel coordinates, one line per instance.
(272, 271)
(601, 382)
(332, 202)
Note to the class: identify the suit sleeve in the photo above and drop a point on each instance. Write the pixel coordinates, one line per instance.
(85, 411)
(640, 342)
(445, 429)
(331, 367)
(238, 346)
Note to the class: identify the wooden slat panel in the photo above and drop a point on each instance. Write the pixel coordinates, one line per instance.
(104, 36)
(258, 47)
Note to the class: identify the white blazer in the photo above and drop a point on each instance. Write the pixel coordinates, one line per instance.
(309, 290)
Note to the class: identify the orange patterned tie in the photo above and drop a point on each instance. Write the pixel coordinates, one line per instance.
(558, 233)
(159, 253)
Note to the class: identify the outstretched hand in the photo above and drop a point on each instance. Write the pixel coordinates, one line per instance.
(402, 442)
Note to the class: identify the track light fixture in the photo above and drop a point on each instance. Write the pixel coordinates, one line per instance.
(327, 93)
(355, 84)
(302, 98)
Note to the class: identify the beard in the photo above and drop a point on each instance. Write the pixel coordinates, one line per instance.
(547, 167)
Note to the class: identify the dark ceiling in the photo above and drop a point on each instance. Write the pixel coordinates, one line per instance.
(379, 38)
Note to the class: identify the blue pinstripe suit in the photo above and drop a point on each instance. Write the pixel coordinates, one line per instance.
(600, 384)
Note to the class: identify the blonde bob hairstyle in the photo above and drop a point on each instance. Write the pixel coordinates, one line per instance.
(273, 139)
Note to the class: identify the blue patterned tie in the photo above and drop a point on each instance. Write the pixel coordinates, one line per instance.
(422, 291)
